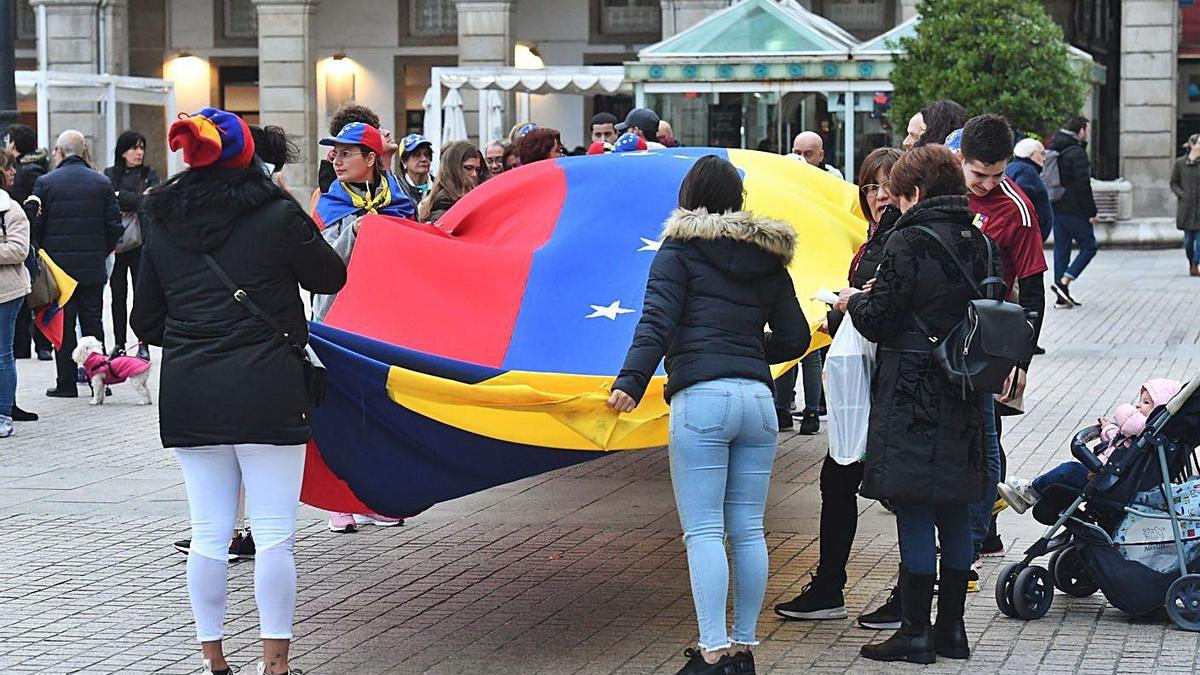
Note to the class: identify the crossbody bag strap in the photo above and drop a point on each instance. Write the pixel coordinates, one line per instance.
(987, 281)
(240, 297)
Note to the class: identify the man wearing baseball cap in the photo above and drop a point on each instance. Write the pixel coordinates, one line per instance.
(644, 123)
(416, 157)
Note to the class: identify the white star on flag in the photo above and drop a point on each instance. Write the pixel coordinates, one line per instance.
(650, 244)
(610, 312)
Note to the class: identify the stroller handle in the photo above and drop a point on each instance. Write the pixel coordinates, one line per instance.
(1081, 451)
(1182, 397)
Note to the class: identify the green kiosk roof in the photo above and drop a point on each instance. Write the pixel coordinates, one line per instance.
(756, 28)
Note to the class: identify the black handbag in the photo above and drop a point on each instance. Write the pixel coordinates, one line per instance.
(314, 370)
(980, 352)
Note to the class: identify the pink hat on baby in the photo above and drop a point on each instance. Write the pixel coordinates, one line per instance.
(1162, 390)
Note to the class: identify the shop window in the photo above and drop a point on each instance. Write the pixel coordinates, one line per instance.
(238, 87)
(413, 79)
(25, 22)
(236, 23)
(628, 21)
(428, 22)
(1189, 42)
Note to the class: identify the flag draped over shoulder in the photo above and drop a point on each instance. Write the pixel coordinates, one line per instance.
(482, 351)
(49, 318)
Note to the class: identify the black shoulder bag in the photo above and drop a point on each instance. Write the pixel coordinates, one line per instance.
(980, 352)
(314, 370)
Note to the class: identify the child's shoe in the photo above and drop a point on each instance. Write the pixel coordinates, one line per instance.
(1019, 494)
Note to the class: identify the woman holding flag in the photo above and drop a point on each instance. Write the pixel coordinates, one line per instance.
(363, 186)
(720, 277)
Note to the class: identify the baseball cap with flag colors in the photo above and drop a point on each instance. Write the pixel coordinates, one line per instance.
(629, 142)
(358, 133)
(212, 137)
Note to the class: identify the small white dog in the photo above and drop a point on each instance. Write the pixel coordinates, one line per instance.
(104, 371)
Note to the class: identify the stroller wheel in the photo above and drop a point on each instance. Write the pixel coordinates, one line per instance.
(1183, 602)
(1033, 593)
(1004, 589)
(1069, 574)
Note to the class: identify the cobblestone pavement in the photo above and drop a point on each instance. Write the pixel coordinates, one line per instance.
(578, 571)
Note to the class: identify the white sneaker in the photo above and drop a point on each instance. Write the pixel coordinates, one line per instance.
(376, 519)
(6, 426)
(1019, 494)
(209, 671)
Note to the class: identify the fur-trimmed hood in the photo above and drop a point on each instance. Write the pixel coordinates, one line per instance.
(198, 207)
(740, 243)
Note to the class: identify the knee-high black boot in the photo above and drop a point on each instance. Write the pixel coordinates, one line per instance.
(914, 641)
(949, 631)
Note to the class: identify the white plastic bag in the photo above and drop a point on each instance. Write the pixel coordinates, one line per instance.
(848, 369)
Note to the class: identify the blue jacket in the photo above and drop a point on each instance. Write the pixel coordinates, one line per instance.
(1028, 176)
(80, 221)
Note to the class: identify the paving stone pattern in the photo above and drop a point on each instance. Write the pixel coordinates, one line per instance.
(578, 571)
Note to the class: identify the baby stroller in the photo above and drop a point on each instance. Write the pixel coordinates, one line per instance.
(1113, 536)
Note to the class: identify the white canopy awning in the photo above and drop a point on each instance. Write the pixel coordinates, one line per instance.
(578, 80)
(107, 89)
(550, 80)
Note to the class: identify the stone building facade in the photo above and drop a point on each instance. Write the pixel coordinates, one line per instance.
(290, 62)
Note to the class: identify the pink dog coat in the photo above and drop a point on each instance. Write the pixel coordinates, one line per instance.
(115, 370)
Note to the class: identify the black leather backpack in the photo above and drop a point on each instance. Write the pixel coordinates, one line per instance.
(980, 352)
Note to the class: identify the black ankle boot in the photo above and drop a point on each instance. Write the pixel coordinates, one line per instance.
(949, 631)
(914, 641)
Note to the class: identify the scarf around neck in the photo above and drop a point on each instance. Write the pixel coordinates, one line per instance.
(342, 200)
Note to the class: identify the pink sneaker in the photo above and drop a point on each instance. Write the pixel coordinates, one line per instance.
(342, 523)
(376, 519)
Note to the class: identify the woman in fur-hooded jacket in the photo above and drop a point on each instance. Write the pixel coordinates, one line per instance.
(719, 279)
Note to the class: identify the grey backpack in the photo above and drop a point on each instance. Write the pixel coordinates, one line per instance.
(1051, 176)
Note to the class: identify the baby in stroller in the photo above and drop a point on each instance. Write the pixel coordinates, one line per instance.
(1128, 421)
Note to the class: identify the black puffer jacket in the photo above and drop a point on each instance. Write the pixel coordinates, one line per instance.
(80, 222)
(226, 376)
(1075, 172)
(131, 185)
(715, 283)
(924, 442)
(30, 167)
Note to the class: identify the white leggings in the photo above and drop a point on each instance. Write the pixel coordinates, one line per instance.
(214, 477)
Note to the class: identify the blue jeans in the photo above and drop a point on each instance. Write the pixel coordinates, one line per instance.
(1068, 228)
(1071, 474)
(914, 525)
(981, 511)
(785, 387)
(8, 365)
(1191, 245)
(723, 440)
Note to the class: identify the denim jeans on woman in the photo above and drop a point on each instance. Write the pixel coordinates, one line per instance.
(8, 365)
(915, 525)
(723, 440)
(981, 511)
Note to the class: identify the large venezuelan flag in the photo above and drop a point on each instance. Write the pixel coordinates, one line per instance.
(480, 352)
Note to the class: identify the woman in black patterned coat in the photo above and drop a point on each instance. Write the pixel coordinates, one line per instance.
(925, 447)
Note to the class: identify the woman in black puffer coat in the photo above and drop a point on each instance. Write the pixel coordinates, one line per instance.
(925, 443)
(822, 598)
(233, 403)
(720, 277)
(130, 178)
